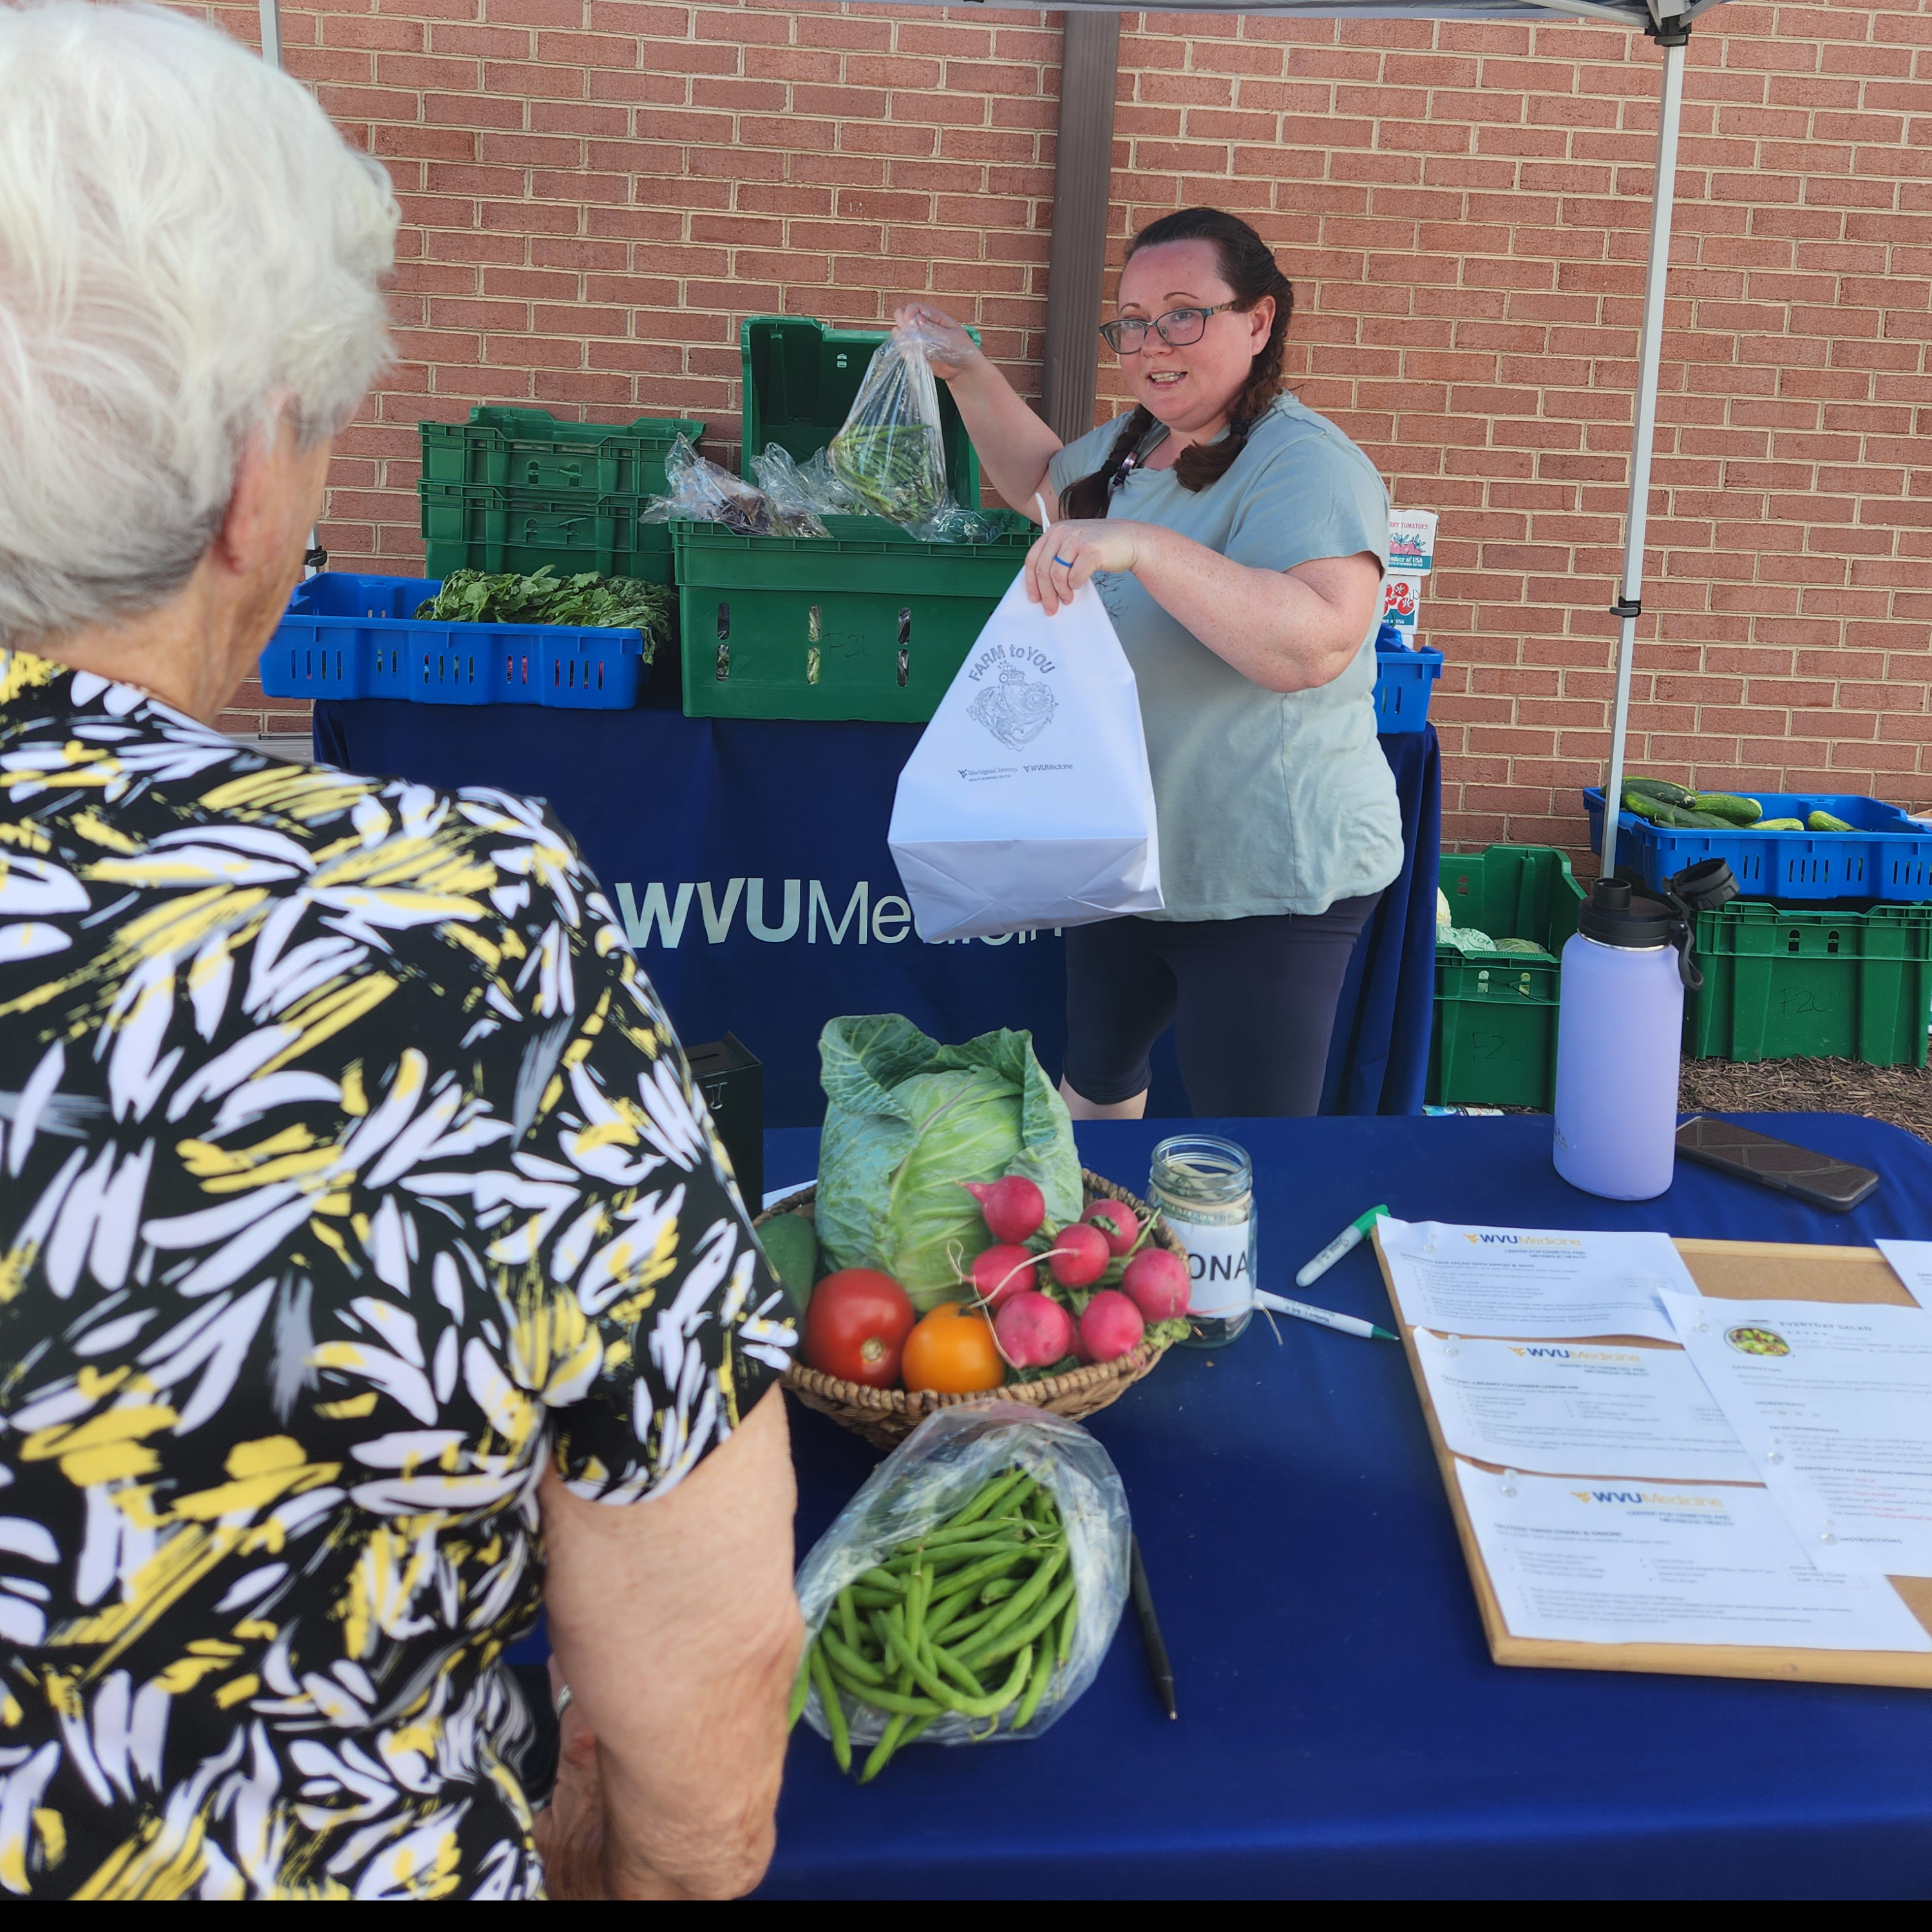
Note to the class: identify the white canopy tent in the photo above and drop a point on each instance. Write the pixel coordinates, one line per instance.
(1668, 22)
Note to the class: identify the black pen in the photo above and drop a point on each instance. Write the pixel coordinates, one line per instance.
(1152, 1642)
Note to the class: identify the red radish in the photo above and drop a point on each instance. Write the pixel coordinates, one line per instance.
(1158, 1281)
(999, 1273)
(1118, 1222)
(1110, 1326)
(1014, 1208)
(1032, 1330)
(1079, 1256)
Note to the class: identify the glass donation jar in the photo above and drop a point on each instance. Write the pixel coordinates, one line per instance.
(1203, 1187)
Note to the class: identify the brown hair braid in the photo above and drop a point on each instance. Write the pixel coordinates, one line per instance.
(1248, 266)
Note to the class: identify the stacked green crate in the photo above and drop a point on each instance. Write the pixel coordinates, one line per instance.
(1783, 982)
(1494, 1038)
(872, 624)
(516, 489)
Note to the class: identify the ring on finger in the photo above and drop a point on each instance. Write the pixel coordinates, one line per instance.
(1065, 562)
(564, 1697)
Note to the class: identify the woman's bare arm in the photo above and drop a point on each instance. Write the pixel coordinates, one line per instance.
(1015, 446)
(674, 1624)
(1287, 630)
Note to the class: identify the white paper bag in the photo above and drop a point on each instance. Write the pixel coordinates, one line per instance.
(1027, 803)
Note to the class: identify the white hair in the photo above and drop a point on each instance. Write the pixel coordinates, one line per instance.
(187, 251)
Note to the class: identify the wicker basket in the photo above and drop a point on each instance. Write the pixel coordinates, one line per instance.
(886, 1416)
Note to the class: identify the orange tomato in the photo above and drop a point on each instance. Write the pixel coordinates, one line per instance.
(953, 1353)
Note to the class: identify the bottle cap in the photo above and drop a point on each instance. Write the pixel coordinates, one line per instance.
(1613, 915)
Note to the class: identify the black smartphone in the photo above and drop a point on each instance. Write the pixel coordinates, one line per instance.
(1815, 1178)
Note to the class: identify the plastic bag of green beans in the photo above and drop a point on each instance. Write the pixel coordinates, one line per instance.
(969, 1591)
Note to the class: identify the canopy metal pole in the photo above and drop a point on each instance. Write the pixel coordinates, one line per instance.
(1629, 605)
(272, 32)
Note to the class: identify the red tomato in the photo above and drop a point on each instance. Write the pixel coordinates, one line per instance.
(953, 1351)
(856, 1326)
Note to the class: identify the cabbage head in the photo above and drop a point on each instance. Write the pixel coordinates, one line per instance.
(906, 1120)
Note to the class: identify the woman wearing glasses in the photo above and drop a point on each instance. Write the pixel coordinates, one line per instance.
(1238, 540)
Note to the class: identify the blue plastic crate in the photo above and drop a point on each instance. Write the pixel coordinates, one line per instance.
(1887, 855)
(1404, 680)
(354, 636)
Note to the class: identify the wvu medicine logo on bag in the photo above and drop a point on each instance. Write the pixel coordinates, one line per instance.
(1016, 709)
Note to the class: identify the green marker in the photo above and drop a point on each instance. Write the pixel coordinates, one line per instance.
(1352, 1236)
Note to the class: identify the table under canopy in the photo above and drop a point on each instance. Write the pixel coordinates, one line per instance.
(1342, 1731)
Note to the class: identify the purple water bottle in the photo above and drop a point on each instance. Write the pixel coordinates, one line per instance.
(1619, 1030)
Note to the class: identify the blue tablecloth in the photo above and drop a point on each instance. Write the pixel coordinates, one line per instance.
(749, 861)
(1342, 1731)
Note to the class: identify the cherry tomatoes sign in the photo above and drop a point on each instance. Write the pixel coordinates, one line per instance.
(855, 1326)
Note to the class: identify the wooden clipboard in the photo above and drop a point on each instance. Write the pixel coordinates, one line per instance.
(1728, 1271)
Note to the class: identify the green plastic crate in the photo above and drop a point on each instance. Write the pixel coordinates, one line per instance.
(800, 377)
(1786, 985)
(530, 449)
(873, 624)
(491, 527)
(1494, 1039)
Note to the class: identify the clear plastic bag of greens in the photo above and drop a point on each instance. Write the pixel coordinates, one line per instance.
(890, 450)
(801, 493)
(697, 491)
(968, 1592)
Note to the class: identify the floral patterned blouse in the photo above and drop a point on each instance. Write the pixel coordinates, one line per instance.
(351, 1171)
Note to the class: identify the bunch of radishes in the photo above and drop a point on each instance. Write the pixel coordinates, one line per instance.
(1106, 1284)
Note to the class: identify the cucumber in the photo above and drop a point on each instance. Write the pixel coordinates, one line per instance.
(1823, 821)
(1681, 818)
(1647, 807)
(1657, 788)
(1726, 806)
(791, 1246)
(1779, 825)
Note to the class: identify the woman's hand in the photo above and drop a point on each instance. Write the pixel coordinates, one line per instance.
(1067, 555)
(953, 349)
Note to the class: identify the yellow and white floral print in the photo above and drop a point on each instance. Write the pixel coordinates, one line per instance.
(349, 1171)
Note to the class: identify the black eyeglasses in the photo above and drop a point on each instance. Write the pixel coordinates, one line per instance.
(1177, 328)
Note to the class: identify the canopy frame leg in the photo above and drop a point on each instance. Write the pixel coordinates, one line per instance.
(1629, 605)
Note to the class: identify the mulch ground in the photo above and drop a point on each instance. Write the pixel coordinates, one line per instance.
(1902, 1095)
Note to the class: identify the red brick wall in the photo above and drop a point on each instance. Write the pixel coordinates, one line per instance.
(595, 192)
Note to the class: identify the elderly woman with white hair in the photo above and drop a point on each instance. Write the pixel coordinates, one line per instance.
(370, 1276)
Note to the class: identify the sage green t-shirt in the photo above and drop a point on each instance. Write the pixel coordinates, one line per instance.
(1268, 801)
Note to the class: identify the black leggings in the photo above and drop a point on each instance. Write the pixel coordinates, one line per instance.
(1255, 999)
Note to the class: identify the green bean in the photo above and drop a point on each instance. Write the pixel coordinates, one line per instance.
(929, 1680)
(942, 1660)
(1042, 1675)
(892, 1700)
(850, 1659)
(801, 1686)
(916, 1599)
(914, 1558)
(964, 1581)
(1020, 1603)
(992, 1493)
(848, 1617)
(882, 1750)
(1070, 1620)
(873, 1599)
(985, 1525)
(835, 1714)
(986, 1652)
(876, 1578)
(1000, 1586)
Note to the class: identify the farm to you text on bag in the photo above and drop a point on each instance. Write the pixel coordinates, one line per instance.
(1027, 803)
